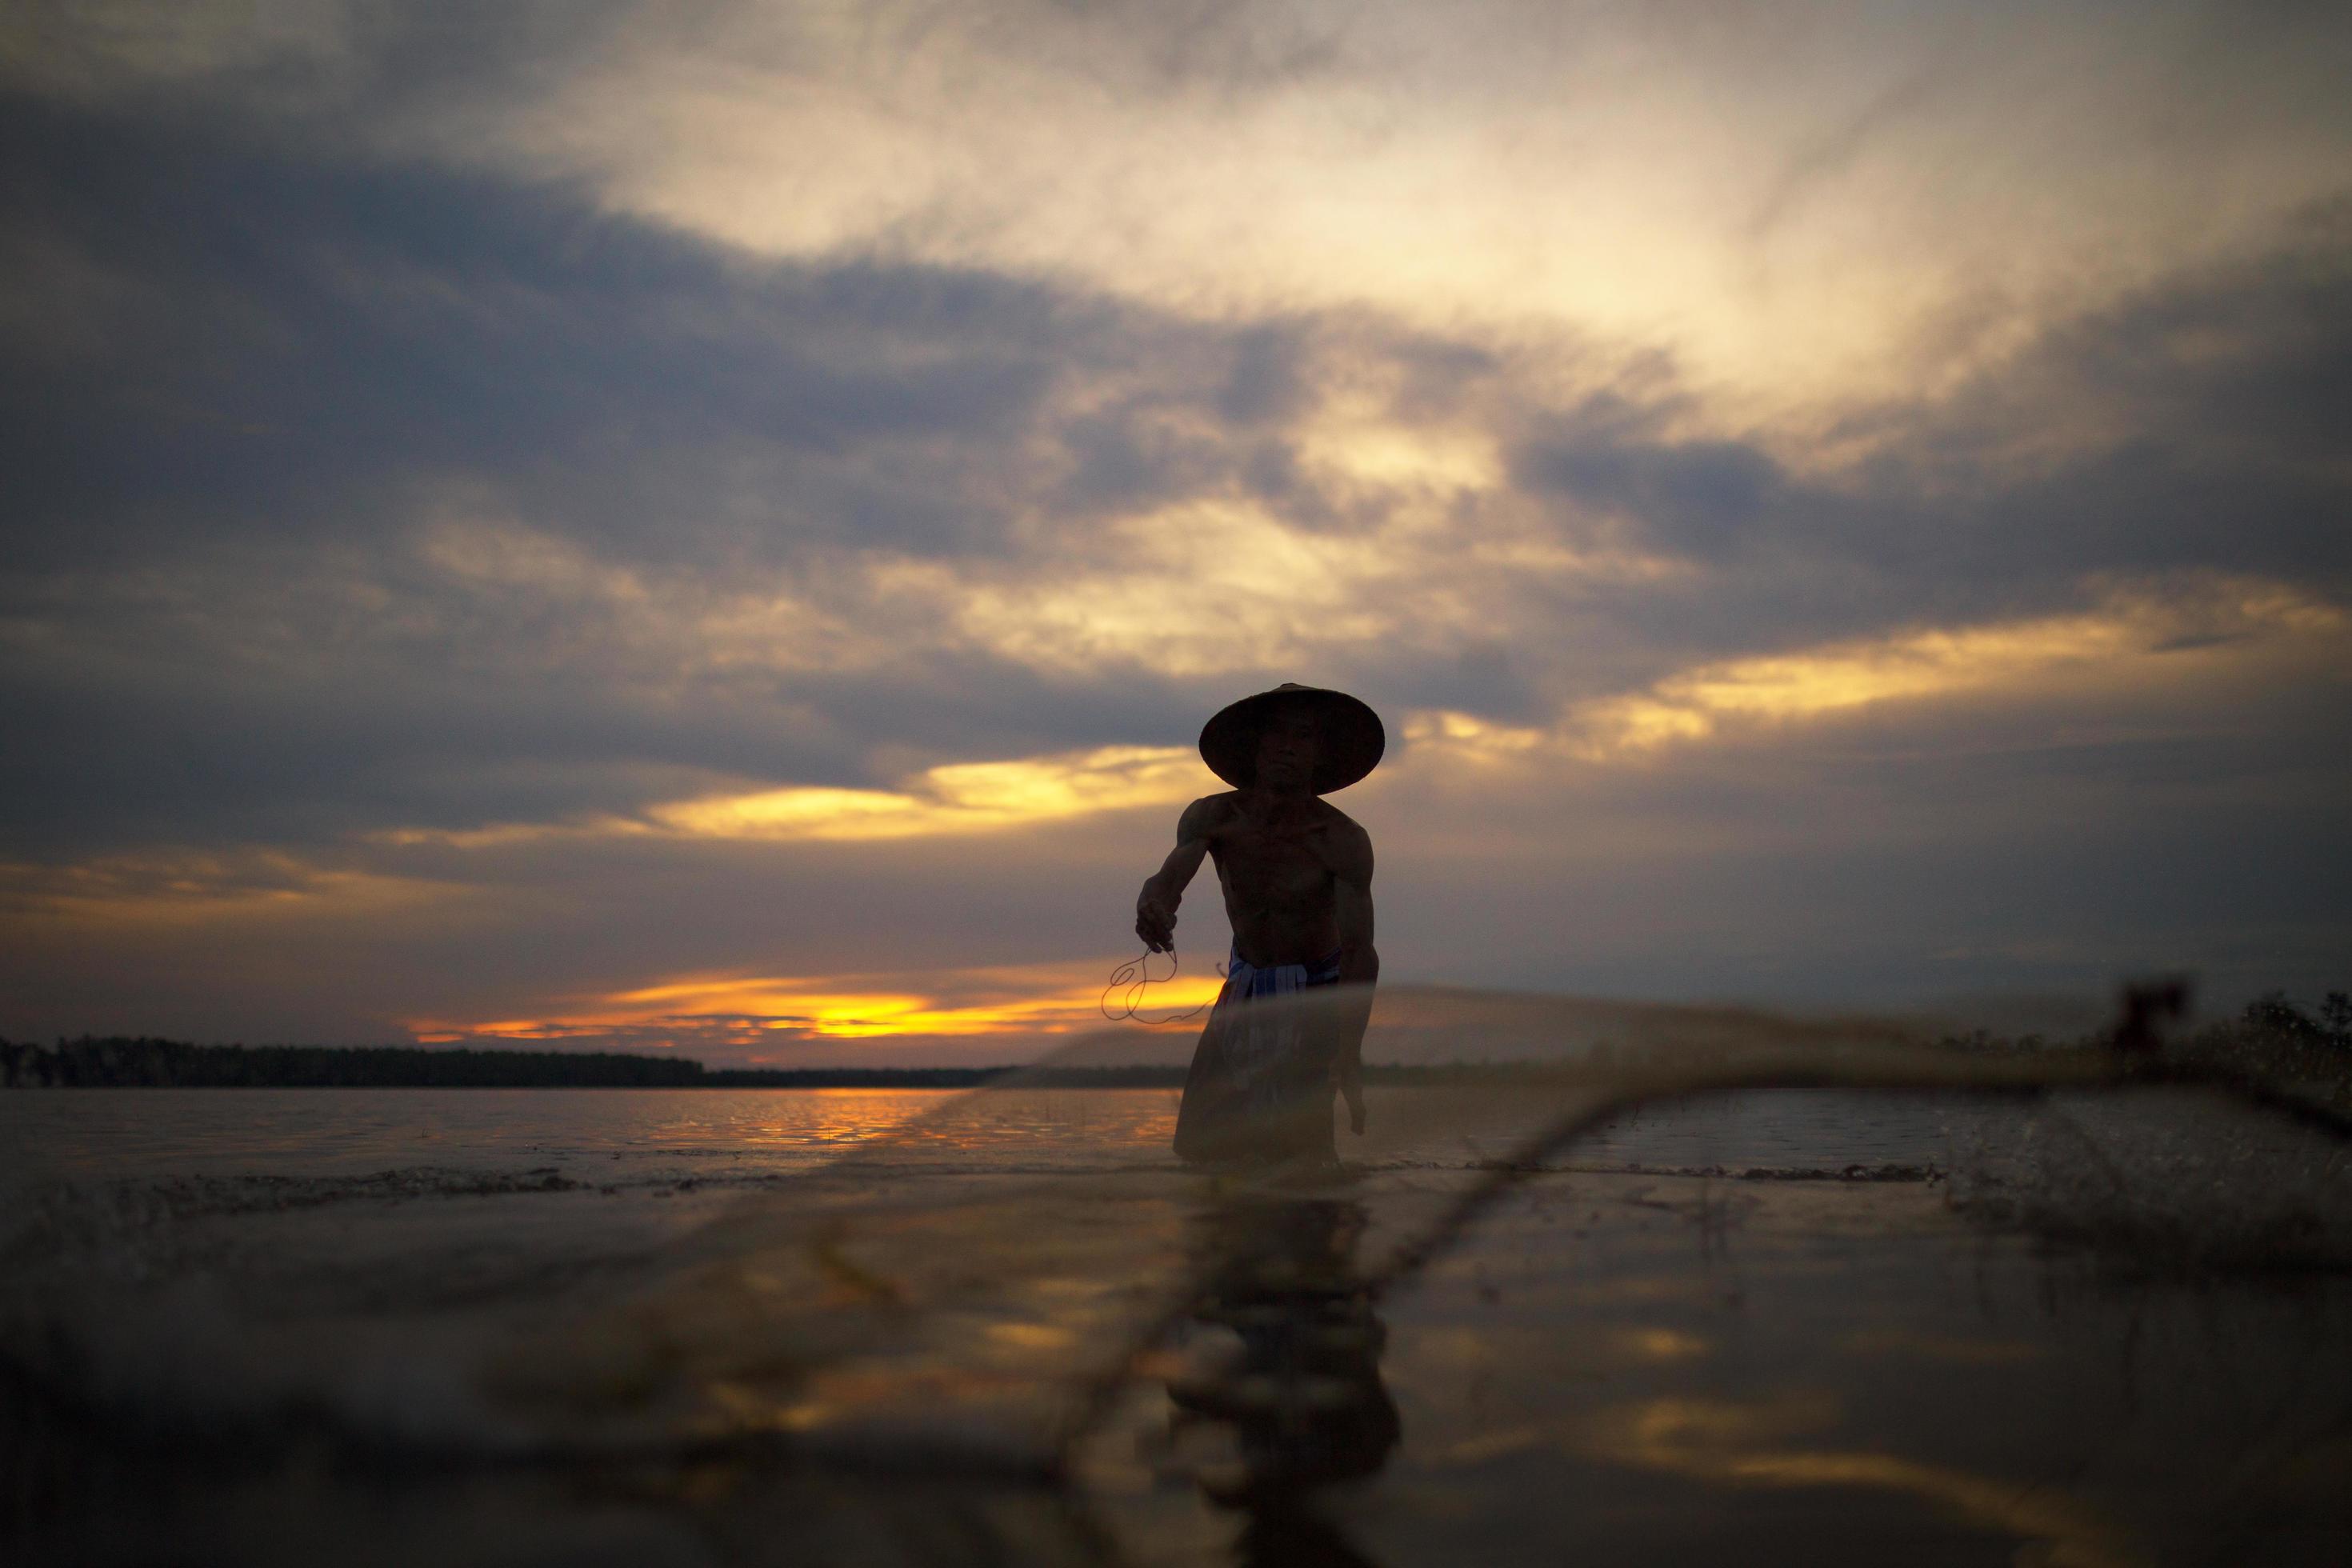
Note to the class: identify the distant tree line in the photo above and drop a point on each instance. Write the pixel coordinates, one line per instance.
(124, 1062)
(2272, 1015)
(118, 1062)
(121, 1062)
(2275, 1039)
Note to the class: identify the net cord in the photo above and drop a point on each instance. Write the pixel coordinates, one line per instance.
(1132, 979)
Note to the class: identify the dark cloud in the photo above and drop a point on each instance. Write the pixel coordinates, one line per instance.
(1710, 501)
(297, 341)
(220, 458)
(1123, 462)
(1267, 383)
(2194, 427)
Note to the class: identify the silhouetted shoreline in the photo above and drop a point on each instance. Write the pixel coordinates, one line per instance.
(2272, 1037)
(119, 1062)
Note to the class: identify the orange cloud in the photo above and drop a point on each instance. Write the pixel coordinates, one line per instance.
(190, 886)
(953, 798)
(2131, 635)
(2129, 630)
(961, 797)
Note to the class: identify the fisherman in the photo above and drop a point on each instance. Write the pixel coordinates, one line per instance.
(1298, 879)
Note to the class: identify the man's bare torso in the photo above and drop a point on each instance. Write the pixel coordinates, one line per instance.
(1278, 868)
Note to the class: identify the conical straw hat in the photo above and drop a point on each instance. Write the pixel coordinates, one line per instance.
(1352, 739)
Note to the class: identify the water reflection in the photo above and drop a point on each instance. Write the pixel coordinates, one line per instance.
(1281, 1392)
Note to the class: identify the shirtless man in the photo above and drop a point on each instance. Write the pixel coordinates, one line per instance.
(1298, 879)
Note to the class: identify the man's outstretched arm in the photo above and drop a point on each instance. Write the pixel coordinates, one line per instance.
(1155, 907)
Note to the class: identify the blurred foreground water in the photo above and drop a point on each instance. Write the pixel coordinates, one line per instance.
(908, 1326)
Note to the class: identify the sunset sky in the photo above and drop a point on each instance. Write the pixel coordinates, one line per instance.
(714, 525)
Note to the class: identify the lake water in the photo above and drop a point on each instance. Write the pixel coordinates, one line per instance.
(718, 1326)
(133, 1133)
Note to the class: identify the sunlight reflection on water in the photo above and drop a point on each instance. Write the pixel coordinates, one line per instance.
(132, 1133)
(129, 1133)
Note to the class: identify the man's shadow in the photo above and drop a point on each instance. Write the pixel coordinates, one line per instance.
(1300, 1401)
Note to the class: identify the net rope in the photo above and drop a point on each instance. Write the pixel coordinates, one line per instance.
(1130, 980)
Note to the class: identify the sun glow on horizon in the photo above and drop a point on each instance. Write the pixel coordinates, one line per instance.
(748, 1010)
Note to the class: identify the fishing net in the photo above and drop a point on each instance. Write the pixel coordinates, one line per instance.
(1554, 1294)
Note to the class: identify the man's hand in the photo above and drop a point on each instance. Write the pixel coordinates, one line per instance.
(1155, 918)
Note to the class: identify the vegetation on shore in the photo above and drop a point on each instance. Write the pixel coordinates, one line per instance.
(123, 1062)
(119, 1062)
(2278, 1042)
(144, 1063)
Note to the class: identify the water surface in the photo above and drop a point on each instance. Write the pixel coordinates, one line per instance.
(130, 1133)
(572, 1324)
